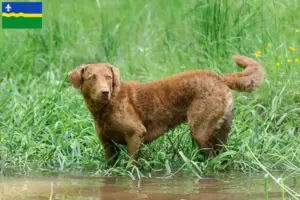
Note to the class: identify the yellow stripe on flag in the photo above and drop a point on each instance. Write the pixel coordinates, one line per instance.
(20, 15)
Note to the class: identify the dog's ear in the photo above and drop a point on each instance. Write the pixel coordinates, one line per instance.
(75, 76)
(116, 79)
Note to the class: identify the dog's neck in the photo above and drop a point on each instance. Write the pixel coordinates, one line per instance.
(97, 109)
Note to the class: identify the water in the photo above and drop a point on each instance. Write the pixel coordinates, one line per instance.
(181, 186)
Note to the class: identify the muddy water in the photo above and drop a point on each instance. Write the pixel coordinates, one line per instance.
(181, 186)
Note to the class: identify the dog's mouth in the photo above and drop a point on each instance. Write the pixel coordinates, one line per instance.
(103, 98)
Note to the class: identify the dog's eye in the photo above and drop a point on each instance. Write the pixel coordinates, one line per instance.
(108, 77)
(91, 77)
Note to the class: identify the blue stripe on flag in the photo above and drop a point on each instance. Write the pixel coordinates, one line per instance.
(24, 7)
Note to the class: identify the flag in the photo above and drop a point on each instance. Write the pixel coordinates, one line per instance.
(22, 15)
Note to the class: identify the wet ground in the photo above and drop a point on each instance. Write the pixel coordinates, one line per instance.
(229, 186)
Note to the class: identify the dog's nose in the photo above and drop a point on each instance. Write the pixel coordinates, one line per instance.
(105, 91)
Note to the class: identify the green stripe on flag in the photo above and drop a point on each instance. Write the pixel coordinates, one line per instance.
(22, 22)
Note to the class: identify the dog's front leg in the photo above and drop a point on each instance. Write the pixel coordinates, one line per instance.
(134, 140)
(109, 149)
(133, 145)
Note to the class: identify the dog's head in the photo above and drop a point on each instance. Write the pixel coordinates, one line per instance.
(99, 82)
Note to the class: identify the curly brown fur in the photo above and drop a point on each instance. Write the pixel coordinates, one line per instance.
(133, 113)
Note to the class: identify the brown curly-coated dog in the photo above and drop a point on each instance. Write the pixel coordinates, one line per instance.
(133, 113)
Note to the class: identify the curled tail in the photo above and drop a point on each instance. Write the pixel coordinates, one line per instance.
(247, 80)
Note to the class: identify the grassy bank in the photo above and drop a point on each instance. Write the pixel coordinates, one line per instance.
(44, 122)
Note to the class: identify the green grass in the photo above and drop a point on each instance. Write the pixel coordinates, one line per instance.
(44, 122)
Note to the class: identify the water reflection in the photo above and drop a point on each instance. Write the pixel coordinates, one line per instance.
(184, 186)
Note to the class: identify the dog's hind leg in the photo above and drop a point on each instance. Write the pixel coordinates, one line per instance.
(223, 125)
(221, 134)
(203, 118)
